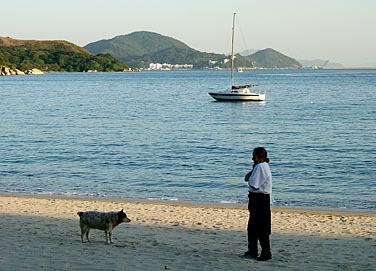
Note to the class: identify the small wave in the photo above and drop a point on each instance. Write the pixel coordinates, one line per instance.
(229, 202)
(163, 199)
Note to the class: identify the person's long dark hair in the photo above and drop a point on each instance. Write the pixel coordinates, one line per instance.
(262, 154)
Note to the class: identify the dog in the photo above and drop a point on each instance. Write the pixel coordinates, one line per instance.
(101, 221)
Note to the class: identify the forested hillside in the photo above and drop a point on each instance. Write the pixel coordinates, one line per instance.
(272, 59)
(54, 56)
(139, 49)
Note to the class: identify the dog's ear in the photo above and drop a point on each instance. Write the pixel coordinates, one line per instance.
(121, 211)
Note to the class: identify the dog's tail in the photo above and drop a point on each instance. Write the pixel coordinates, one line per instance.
(80, 214)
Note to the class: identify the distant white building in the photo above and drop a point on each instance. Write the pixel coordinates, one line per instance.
(167, 66)
(183, 66)
(155, 66)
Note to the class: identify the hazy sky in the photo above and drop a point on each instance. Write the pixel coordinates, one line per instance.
(342, 31)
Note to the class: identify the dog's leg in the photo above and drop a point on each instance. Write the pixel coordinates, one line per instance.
(106, 234)
(84, 230)
(82, 227)
(82, 235)
(87, 234)
(110, 235)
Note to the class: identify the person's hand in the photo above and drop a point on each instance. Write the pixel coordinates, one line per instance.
(246, 178)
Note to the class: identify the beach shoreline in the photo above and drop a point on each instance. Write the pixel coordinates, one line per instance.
(42, 232)
(298, 209)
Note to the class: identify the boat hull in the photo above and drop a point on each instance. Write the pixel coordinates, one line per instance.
(256, 97)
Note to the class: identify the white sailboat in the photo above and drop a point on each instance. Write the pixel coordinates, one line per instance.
(238, 93)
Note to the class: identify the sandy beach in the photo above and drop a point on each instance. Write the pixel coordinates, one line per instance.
(41, 233)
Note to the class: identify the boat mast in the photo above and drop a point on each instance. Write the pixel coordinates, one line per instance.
(232, 50)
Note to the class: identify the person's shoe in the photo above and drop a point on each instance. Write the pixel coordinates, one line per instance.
(264, 258)
(249, 254)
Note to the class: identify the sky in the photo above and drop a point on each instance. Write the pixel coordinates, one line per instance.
(341, 31)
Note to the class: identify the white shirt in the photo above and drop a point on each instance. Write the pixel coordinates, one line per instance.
(261, 179)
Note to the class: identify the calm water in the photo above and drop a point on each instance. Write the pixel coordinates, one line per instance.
(159, 135)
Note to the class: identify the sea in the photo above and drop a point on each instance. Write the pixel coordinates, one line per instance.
(158, 135)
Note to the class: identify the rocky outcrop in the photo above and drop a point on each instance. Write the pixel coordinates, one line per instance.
(4, 71)
(34, 71)
(18, 72)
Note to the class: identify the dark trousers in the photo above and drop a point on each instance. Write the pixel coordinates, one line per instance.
(259, 223)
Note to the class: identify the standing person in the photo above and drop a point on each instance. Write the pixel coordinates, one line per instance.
(260, 188)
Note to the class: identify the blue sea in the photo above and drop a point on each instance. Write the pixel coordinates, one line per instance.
(159, 135)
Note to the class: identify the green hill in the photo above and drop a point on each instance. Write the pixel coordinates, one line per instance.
(134, 44)
(272, 59)
(139, 49)
(174, 55)
(54, 56)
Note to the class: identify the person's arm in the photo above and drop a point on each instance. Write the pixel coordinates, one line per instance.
(247, 176)
(254, 182)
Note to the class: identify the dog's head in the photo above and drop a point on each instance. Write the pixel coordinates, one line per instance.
(123, 217)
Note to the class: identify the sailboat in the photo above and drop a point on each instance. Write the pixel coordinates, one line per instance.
(238, 92)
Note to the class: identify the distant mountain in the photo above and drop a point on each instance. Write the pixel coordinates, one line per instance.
(174, 55)
(272, 59)
(43, 45)
(135, 44)
(248, 52)
(138, 49)
(56, 55)
(320, 63)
